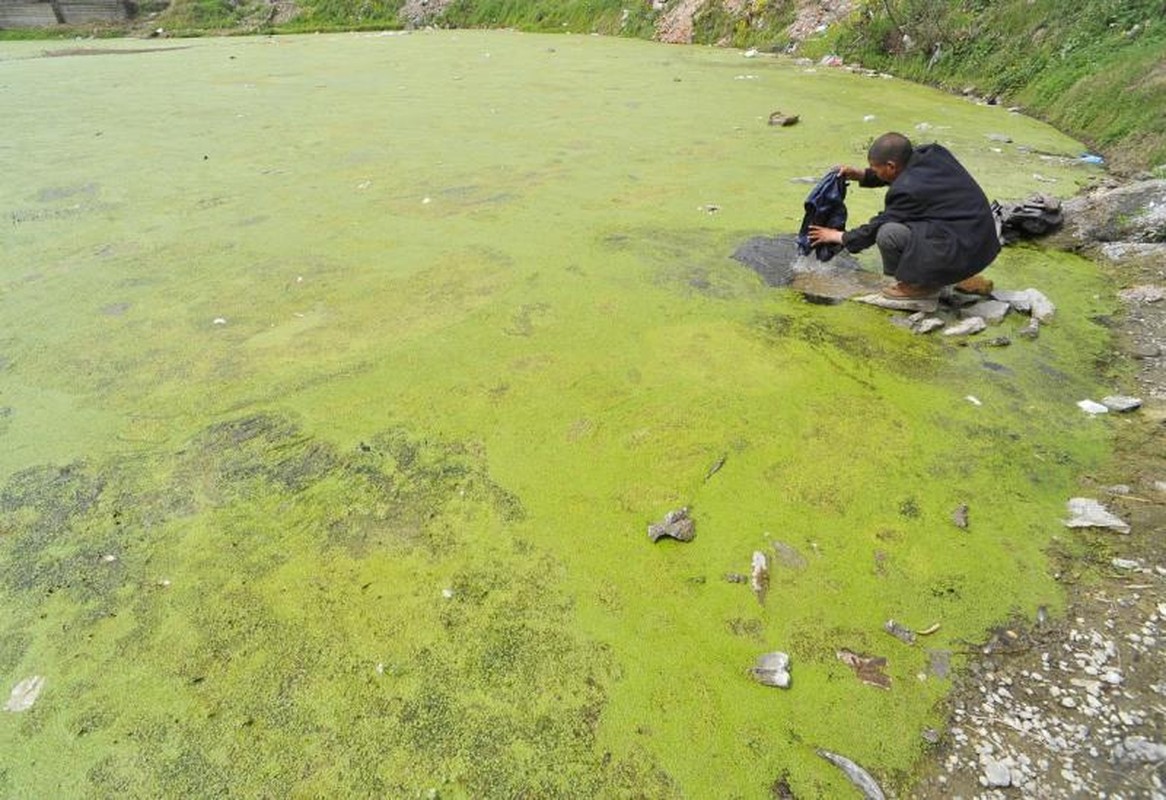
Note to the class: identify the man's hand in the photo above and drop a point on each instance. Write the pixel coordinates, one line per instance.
(851, 173)
(820, 235)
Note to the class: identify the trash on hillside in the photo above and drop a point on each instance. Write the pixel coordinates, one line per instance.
(1092, 407)
(1085, 512)
(24, 694)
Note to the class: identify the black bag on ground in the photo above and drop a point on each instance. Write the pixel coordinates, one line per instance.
(1036, 216)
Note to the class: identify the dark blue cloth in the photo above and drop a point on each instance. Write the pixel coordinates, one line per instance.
(825, 206)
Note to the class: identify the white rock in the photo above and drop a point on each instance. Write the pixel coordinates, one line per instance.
(996, 773)
(966, 327)
(1041, 307)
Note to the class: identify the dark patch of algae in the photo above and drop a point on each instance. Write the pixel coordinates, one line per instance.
(269, 649)
(275, 392)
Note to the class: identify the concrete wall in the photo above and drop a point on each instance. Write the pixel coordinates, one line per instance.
(40, 13)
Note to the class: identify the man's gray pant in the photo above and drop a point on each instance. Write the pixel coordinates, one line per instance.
(892, 239)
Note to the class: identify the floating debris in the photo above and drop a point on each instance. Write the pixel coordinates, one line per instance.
(24, 694)
(759, 577)
(772, 669)
(789, 556)
(736, 577)
(960, 516)
(676, 525)
(971, 398)
(930, 629)
(715, 468)
(899, 631)
(783, 120)
(869, 669)
(857, 775)
(1085, 512)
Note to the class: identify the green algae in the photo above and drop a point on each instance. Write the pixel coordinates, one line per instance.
(345, 377)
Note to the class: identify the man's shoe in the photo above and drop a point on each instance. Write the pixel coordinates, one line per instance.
(977, 284)
(910, 291)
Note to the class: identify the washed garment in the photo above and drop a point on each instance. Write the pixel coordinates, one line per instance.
(953, 229)
(825, 206)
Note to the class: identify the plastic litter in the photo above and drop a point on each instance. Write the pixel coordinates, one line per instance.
(1086, 512)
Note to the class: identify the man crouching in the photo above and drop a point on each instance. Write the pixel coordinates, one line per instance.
(936, 227)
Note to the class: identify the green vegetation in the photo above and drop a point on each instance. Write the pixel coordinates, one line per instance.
(1095, 70)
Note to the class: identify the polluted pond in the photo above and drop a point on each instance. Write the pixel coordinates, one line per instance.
(327, 451)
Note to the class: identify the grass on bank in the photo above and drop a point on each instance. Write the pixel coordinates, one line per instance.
(1094, 70)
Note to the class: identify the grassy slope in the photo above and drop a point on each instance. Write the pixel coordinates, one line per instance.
(1095, 70)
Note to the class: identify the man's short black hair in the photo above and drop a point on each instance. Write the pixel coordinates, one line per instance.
(890, 147)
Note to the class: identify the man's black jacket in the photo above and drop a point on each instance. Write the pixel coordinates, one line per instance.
(953, 230)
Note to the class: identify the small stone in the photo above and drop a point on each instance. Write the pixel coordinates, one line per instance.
(1139, 749)
(1142, 294)
(1020, 301)
(967, 327)
(1030, 331)
(1068, 702)
(1124, 563)
(676, 524)
(1041, 307)
(927, 325)
(997, 774)
(1121, 403)
(989, 310)
(959, 517)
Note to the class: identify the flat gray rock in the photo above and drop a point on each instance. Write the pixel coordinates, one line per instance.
(1117, 402)
(989, 310)
(927, 304)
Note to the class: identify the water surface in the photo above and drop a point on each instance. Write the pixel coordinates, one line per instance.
(342, 376)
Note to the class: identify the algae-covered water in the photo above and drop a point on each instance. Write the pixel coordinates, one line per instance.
(341, 376)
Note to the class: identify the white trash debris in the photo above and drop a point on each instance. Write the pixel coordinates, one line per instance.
(24, 694)
(772, 669)
(1091, 407)
(1085, 512)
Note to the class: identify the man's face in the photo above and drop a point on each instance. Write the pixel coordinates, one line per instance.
(887, 170)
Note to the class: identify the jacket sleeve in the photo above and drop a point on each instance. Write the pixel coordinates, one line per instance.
(862, 237)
